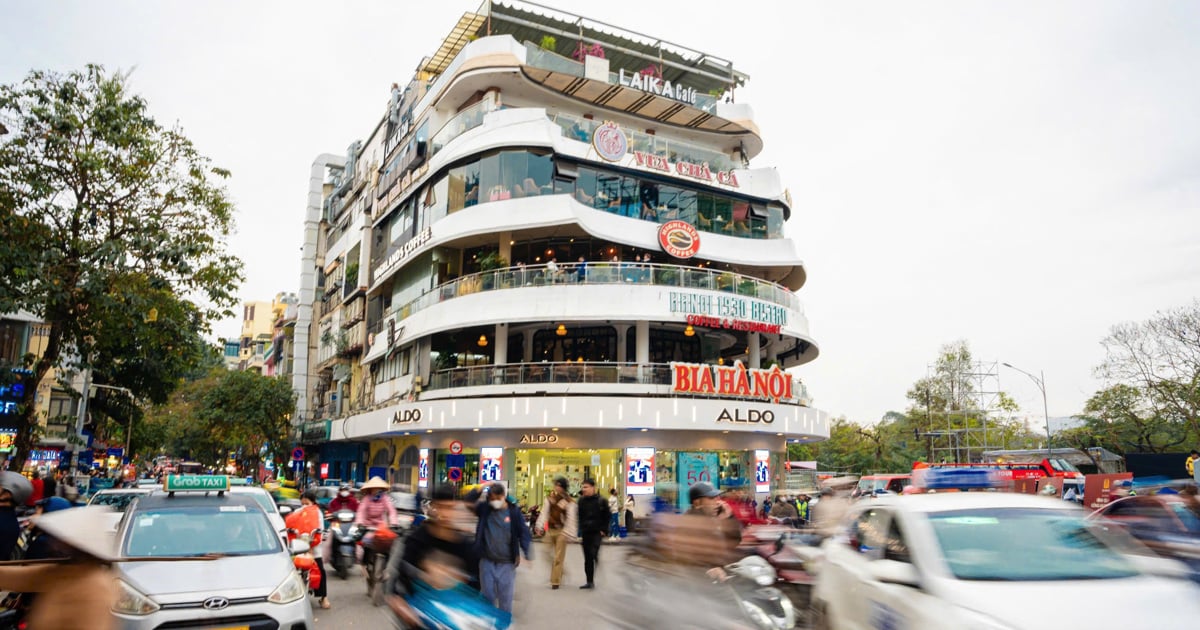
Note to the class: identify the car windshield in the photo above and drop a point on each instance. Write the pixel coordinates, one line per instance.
(1062, 465)
(1190, 521)
(1023, 544)
(265, 502)
(118, 500)
(197, 530)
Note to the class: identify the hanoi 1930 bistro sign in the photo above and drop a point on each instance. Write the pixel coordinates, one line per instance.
(728, 311)
(731, 380)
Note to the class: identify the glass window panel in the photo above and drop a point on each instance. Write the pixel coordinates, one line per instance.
(722, 214)
(585, 187)
(457, 192)
(774, 222)
(490, 186)
(648, 195)
(608, 192)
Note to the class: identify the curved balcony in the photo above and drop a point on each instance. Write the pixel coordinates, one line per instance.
(570, 377)
(600, 273)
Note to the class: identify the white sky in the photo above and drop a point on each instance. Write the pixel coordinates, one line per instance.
(1022, 175)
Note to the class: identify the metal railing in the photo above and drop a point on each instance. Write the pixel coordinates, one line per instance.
(599, 273)
(567, 373)
(581, 129)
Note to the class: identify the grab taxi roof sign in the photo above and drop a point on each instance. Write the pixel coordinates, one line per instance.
(196, 483)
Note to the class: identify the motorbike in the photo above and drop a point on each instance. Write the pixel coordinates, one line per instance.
(752, 582)
(344, 537)
(303, 558)
(794, 556)
(377, 547)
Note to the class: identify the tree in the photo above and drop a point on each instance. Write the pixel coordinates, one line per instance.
(1160, 358)
(104, 212)
(225, 412)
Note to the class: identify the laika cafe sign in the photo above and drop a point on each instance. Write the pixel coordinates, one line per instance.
(734, 380)
(655, 85)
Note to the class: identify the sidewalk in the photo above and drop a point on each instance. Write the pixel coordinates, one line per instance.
(536, 606)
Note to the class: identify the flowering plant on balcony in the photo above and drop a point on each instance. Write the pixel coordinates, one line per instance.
(584, 50)
(652, 70)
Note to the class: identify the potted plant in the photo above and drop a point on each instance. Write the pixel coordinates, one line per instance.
(352, 275)
(548, 43)
(490, 261)
(583, 50)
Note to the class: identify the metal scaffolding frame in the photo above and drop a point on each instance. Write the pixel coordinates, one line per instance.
(975, 395)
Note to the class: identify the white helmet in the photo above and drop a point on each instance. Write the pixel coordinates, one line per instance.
(17, 484)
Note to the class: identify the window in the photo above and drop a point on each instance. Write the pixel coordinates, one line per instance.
(405, 361)
(198, 531)
(896, 547)
(667, 346)
(592, 344)
(867, 534)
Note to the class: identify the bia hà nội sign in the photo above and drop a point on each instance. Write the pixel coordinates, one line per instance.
(731, 380)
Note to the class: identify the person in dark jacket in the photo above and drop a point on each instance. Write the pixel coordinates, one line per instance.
(594, 519)
(501, 536)
(50, 486)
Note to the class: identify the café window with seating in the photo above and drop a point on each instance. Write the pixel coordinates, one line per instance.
(590, 343)
(669, 345)
(499, 176)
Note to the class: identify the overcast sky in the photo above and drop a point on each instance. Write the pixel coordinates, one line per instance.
(1022, 175)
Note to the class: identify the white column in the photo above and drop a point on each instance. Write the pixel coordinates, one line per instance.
(643, 342)
(622, 334)
(527, 351)
(755, 358)
(501, 344)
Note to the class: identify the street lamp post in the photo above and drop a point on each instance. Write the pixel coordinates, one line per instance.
(1041, 383)
(82, 419)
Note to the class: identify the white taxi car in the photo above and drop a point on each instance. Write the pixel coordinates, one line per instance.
(993, 561)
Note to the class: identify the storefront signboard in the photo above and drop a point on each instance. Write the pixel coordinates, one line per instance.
(7, 438)
(679, 239)
(728, 311)
(325, 470)
(732, 380)
(491, 463)
(656, 85)
(539, 438)
(423, 469)
(610, 142)
(1098, 489)
(762, 471)
(640, 469)
(402, 252)
(406, 416)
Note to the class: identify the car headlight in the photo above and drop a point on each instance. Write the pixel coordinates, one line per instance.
(290, 590)
(131, 601)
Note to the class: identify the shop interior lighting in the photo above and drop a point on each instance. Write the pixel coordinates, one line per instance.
(482, 341)
(689, 331)
(561, 331)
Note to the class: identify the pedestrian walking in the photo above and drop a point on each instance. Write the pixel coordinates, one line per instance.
(614, 507)
(559, 521)
(1191, 465)
(501, 537)
(629, 503)
(594, 519)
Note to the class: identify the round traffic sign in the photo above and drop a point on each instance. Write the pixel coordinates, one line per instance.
(456, 448)
(298, 454)
(454, 474)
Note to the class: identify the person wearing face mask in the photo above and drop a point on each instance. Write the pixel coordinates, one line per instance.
(376, 513)
(501, 536)
(343, 501)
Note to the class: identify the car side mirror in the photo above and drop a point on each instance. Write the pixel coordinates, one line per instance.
(895, 572)
(299, 547)
(284, 510)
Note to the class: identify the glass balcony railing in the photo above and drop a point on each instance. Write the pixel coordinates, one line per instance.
(599, 273)
(568, 373)
(581, 129)
(462, 122)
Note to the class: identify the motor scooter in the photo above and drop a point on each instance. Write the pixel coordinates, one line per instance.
(344, 537)
(752, 582)
(303, 558)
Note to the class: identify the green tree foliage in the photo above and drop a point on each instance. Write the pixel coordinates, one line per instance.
(106, 214)
(227, 412)
(1160, 359)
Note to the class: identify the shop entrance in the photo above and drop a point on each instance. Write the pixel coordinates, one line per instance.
(467, 462)
(535, 469)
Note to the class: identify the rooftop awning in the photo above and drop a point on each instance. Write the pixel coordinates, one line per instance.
(468, 28)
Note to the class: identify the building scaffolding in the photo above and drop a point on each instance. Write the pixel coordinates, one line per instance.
(966, 428)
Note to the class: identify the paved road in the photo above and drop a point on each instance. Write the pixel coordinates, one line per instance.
(535, 605)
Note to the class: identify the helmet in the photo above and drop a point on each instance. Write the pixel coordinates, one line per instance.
(17, 484)
(701, 490)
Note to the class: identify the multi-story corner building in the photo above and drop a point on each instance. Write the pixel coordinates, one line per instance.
(265, 345)
(22, 334)
(556, 255)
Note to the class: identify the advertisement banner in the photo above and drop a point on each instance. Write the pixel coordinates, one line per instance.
(423, 469)
(1098, 489)
(491, 463)
(697, 467)
(640, 469)
(762, 471)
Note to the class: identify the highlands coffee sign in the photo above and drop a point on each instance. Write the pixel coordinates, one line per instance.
(402, 252)
(734, 380)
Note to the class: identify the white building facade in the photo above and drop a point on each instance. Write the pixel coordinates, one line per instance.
(568, 266)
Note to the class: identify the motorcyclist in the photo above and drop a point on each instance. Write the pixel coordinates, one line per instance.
(307, 520)
(15, 490)
(375, 512)
(343, 501)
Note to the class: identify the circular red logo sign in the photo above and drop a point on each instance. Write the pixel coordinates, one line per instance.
(679, 239)
(610, 142)
(455, 447)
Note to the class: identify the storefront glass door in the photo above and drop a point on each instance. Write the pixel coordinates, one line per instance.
(535, 469)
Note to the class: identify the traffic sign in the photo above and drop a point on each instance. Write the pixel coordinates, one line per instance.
(298, 454)
(454, 474)
(456, 447)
